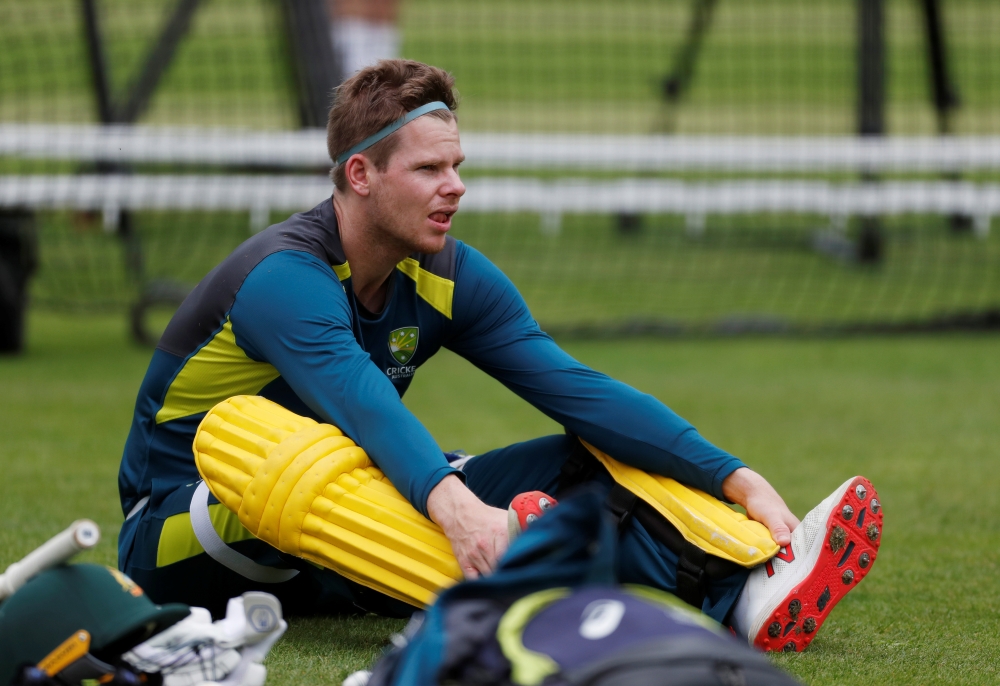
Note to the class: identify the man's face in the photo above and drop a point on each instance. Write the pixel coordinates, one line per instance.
(413, 200)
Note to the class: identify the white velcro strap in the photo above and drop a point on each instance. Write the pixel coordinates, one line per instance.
(460, 463)
(217, 549)
(135, 508)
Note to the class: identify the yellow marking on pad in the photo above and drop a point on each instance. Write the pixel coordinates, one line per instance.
(702, 519)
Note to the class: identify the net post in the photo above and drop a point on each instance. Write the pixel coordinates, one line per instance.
(676, 83)
(871, 109)
(945, 94)
(18, 260)
(98, 61)
(316, 68)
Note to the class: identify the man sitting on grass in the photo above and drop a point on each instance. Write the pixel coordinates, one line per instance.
(330, 314)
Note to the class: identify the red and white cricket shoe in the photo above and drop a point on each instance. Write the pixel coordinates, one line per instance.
(787, 599)
(525, 509)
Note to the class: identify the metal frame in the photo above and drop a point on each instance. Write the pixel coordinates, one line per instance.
(871, 80)
(127, 110)
(943, 88)
(675, 84)
(316, 74)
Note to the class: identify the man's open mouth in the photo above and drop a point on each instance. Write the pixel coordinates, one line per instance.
(442, 217)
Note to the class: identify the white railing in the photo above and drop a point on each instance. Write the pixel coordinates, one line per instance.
(307, 149)
(259, 195)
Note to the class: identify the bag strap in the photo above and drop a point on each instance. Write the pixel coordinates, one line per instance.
(695, 567)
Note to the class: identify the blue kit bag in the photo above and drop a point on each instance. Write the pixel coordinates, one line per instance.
(553, 614)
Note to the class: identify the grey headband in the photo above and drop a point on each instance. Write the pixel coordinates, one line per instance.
(391, 128)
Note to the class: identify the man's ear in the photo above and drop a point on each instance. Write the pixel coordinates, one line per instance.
(357, 170)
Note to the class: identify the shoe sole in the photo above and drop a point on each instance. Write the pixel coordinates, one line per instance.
(516, 524)
(850, 546)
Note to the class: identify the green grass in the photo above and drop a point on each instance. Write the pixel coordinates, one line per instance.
(916, 415)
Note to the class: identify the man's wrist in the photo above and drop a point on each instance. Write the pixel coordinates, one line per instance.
(738, 484)
(445, 498)
(422, 498)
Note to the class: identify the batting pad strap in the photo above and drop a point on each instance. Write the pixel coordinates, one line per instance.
(309, 491)
(217, 549)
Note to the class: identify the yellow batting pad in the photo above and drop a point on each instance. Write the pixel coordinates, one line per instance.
(702, 519)
(309, 491)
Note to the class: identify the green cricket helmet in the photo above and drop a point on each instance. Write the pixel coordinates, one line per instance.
(77, 620)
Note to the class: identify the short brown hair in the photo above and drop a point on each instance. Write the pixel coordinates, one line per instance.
(377, 96)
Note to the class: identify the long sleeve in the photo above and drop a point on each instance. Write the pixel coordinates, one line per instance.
(292, 312)
(495, 331)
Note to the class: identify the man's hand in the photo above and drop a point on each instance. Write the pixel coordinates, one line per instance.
(763, 504)
(476, 531)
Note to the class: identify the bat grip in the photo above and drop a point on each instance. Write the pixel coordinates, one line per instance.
(82, 534)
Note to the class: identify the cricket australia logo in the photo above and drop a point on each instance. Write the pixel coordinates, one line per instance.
(403, 343)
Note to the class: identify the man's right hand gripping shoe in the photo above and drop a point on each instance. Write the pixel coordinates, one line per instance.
(786, 600)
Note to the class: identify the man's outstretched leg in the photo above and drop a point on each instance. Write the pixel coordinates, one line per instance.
(787, 599)
(779, 605)
(497, 477)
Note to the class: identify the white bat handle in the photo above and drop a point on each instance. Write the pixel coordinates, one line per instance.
(81, 535)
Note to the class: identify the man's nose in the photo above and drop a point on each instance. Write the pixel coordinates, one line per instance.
(453, 184)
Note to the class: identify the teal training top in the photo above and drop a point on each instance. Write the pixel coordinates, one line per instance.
(279, 318)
